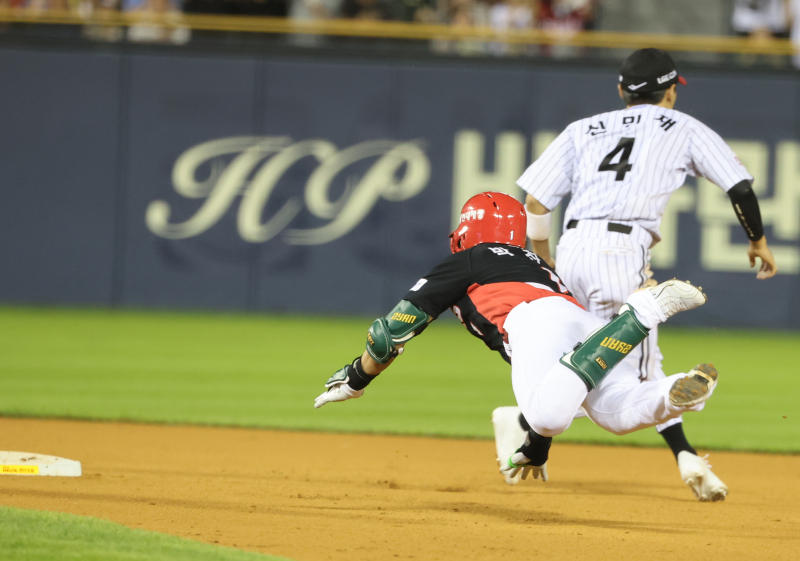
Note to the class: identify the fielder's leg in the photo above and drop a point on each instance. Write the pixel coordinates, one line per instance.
(694, 470)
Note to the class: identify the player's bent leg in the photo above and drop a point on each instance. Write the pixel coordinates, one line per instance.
(548, 393)
(595, 357)
(539, 333)
(621, 407)
(551, 409)
(548, 410)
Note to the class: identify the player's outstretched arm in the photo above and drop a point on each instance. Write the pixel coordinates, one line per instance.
(759, 249)
(385, 341)
(538, 230)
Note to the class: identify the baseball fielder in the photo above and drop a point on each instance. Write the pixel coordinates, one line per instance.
(621, 168)
(562, 357)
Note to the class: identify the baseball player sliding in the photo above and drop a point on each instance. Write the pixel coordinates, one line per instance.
(562, 357)
(621, 168)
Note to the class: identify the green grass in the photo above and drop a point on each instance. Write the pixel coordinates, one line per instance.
(266, 370)
(32, 535)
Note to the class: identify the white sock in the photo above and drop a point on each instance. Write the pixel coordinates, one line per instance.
(647, 309)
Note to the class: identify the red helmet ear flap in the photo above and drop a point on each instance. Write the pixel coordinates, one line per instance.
(457, 238)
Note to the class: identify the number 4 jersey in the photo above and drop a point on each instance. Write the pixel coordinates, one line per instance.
(483, 284)
(624, 165)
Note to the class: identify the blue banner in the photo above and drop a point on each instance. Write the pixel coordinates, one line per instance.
(330, 186)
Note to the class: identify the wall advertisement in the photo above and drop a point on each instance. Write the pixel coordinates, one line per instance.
(310, 186)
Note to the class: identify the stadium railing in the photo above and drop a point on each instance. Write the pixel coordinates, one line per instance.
(409, 31)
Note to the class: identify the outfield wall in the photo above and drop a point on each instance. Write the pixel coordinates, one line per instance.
(280, 183)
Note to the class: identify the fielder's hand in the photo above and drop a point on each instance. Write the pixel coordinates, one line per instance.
(518, 462)
(338, 389)
(759, 249)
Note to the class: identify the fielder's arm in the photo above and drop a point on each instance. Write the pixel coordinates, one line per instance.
(745, 204)
(539, 223)
(386, 339)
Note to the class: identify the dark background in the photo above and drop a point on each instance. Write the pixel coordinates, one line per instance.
(89, 138)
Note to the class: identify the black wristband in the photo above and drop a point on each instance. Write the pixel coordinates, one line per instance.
(537, 449)
(358, 379)
(745, 204)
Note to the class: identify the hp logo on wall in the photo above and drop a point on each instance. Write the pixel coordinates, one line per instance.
(252, 166)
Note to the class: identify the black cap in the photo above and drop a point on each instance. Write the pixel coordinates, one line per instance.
(647, 71)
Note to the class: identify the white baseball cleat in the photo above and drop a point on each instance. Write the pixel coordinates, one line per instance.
(694, 388)
(675, 296)
(508, 437)
(696, 473)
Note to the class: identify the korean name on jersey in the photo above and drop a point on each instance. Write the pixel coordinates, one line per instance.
(624, 165)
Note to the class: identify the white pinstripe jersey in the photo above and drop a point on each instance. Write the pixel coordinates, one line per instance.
(624, 165)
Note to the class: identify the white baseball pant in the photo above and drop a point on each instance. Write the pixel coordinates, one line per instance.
(550, 394)
(602, 269)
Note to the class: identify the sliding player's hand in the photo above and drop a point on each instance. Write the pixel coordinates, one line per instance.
(338, 389)
(518, 462)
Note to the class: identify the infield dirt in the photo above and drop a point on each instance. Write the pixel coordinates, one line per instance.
(310, 496)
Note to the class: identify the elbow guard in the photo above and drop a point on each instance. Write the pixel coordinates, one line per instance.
(745, 204)
(399, 326)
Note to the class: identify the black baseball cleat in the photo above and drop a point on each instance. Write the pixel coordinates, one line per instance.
(694, 388)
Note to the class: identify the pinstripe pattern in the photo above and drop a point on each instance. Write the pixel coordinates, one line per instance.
(668, 145)
(600, 268)
(603, 268)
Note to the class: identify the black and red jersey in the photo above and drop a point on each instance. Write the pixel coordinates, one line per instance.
(483, 284)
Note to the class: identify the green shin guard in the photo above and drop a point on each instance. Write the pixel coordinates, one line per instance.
(595, 357)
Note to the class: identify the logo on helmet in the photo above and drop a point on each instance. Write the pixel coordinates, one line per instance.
(473, 215)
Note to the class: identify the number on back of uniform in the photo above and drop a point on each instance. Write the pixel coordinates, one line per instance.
(622, 166)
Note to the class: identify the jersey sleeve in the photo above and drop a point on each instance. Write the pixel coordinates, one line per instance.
(549, 178)
(443, 286)
(713, 159)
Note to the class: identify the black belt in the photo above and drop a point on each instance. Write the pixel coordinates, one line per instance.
(612, 227)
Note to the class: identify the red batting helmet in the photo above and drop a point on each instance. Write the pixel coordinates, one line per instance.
(490, 217)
